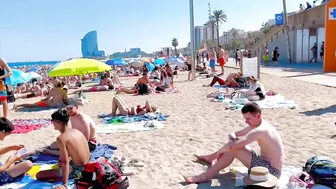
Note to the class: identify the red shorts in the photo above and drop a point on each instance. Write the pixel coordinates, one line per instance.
(221, 61)
(42, 104)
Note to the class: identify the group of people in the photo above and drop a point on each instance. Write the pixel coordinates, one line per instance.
(275, 56)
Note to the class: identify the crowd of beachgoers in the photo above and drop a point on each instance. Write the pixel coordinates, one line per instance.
(194, 124)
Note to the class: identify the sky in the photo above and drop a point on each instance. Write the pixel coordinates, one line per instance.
(34, 30)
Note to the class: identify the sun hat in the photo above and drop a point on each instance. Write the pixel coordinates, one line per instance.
(260, 176)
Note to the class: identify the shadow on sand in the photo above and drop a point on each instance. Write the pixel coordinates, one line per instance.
(320, 111)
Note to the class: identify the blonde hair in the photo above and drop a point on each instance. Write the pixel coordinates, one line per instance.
(251, 78)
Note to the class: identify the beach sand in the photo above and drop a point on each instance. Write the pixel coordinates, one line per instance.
(199, 126)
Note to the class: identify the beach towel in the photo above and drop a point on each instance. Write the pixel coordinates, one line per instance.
(22, 126)
(131, 119)
(276, 101)
(129, 127)
(45, 162)
(36, 109)
(286, 173)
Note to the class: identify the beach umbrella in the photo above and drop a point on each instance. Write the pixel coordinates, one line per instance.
(79, 66)
(49, 70)
(149, 66)
(17, 77)
(33, 75)
(159, 62)
(116, 62)
(136, 64)
(175, 61)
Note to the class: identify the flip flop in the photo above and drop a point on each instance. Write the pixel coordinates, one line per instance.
(191, 182)
(202, 160)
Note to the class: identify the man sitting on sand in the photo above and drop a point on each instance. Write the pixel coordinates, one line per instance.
(259, 130)
(81, 122)
(74, 150)
(10, 169)
(234, 79)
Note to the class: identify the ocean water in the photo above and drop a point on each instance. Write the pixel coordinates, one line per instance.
(40, 63)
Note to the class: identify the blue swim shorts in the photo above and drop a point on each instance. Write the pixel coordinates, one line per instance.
(5, 178)
(212, 63)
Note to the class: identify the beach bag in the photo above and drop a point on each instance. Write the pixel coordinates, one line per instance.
(143, 89)
(102, 174)
(322, 169)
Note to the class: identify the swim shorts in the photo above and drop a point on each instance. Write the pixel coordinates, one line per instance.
(212, 63)
(221, 61)
(5, 178)
(3, 95)
(92, 144)
(257, 161)
(266, 58)
(76, 170)
(42, 104)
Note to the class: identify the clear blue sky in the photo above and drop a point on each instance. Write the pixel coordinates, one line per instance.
(32, 30)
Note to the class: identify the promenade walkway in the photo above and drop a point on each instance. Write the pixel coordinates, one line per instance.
(309, 72)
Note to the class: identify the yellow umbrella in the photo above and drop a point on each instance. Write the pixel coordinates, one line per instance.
(80, 66)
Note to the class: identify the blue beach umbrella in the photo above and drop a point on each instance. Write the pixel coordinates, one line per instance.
(18, 76)
(116, 62)
(33, 69)
(159, 62)
(175, 61)
(150, 66)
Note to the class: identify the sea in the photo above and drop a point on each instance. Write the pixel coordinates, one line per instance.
(39, 63)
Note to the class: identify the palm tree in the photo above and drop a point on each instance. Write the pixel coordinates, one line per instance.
(219, 17)
(264, 25)
(234, 33)
(175, 44)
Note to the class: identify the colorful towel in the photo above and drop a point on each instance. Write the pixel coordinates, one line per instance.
(131, 119)
(44, 162)
(129, 127)
(22, 126)
(276, 101)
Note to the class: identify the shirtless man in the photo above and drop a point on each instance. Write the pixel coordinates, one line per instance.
(221, 58)
(81, 122)
(212, 57)
(271, 148)
(74, 150)
(57, 97)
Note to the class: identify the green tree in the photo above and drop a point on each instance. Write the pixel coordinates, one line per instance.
(218, 17)
(175, 43)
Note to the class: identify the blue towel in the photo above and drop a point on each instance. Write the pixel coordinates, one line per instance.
(35, 109)
(219, 86)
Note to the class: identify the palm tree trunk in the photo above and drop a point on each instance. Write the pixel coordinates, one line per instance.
(217, 34)
(213, 32)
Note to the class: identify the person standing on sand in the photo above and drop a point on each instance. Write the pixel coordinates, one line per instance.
(266, 57)
(81, 122)
(259, 130)
(212, 58)
(11, 169)
(3, 88)
(221, 58)
(74, 151)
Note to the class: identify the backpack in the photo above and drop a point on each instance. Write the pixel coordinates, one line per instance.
(102, 174)
(322, 169)
(143, 89)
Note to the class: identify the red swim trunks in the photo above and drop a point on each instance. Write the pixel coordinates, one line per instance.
(221, 61)
(42, 104)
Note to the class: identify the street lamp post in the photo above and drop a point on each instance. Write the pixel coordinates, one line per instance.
(287, 31)
(192, 40)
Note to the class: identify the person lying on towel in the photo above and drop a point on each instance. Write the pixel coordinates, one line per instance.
(143, 81)
(57, 97)
(258, 130)
(234, 79)
(74, 151)
(119, 105)
(13, 167)
(82, 122)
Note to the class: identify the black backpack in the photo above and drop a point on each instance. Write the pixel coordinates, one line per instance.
(322, 169)
(143, 89)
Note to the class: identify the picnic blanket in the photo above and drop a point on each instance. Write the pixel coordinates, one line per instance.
(45, 162)
(129, 127)
(276, 101)
(22, 126)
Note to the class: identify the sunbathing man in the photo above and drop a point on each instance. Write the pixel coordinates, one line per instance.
(233, 80)
(10, 169)
(74, 150)
(57, 97)
(38, 90)
(259, 130)
(118, 104)
(143, 80)
(81, 122)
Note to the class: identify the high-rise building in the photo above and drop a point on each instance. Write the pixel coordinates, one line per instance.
(90, 45)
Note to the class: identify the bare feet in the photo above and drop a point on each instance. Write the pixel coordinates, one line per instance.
(204, 159)
(202, 178)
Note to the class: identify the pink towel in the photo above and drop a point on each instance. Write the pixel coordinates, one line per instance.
(22, 129)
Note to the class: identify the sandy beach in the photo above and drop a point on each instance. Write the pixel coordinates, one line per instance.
(197, 125)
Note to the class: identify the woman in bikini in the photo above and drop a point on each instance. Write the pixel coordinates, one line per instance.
(3, 88)
(134, 90)
(256, 91)
(119, 105)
